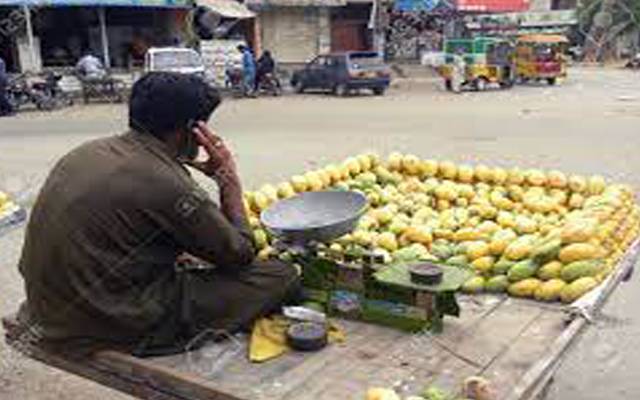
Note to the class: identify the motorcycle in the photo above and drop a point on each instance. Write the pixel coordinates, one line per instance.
(633, 63)
(234, 81)
(46, 95)
(269, 84)
(51, 87)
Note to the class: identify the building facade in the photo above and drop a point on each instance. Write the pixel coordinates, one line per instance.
(38, 34)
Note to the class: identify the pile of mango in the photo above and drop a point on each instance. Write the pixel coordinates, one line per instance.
(529, 233)
(7, 207)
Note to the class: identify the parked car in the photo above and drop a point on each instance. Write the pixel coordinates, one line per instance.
(174, 59)
(342, 73)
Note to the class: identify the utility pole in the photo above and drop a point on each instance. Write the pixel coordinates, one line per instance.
(379, 26)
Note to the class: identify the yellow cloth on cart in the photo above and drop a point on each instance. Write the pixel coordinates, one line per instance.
(269, 339)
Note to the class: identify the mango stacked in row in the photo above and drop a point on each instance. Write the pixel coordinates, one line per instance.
(531, 233)
(7, 207)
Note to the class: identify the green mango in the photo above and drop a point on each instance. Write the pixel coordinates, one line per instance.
(580, 269)
(522, 270)
(497, 284)
(547, 251)
(458, 261)
(474, 285)
(442, 251)
(503, 266)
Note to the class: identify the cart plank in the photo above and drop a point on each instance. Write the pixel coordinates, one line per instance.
(494, 333)
(515, 343)
(530, 346)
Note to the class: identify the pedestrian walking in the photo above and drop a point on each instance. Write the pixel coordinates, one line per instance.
(459, 72)
(248, 69)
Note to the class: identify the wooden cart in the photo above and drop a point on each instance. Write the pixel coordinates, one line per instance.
(12, 221)
(516, 344)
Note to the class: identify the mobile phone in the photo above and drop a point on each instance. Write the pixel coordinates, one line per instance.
(189, 147)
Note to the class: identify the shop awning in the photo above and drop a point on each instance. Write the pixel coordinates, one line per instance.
(99, 3)
(227, 8)
(295, 3)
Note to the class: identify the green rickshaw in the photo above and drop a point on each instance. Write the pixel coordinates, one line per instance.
(477, 63)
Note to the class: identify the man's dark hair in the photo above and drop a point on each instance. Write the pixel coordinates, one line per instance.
(164, 102)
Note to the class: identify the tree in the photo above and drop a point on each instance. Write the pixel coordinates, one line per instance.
(603, 22)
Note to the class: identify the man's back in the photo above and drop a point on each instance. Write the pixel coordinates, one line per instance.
(91, 66)
(99, 252)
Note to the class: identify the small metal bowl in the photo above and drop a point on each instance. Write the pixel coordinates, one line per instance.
(425, 274)
(307, 336)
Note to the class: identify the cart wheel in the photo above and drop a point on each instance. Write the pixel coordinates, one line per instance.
(481, 84)
(448, 85)
(551, 81)
(379, 91)
(298, 87)
(341, 90)
(506, 84)
(46, 103)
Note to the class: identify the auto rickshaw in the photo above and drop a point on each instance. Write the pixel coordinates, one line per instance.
(477, 63)
(540, 58)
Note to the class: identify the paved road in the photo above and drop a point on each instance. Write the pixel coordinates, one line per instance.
(590, 124)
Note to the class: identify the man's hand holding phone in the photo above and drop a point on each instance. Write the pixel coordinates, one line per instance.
(220, 164)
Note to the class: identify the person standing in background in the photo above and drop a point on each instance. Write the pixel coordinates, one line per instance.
(248, 69)
(5, 106)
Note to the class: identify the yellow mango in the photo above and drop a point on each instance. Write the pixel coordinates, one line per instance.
(550, 270)
(536, 177)
(550, 290)
(483, 265)
(333, 171)
(596, 185)
(286, 190)
(381, 394)
(579, 230)
(387, 241)
(353, 166)
(578, 184)
(394, 162)
(500, 176)
(483, 173)
(556, 179)
(516, 176)
(476, 250)
(577, 289)
(501, 240)
(260, 202)
(448, 170)
(429, 168)
(466, 235)
(365, 162)
(524, 288)
(465, 173)
(576, 201)
(578, 252)
(411, 164)
(519, 249)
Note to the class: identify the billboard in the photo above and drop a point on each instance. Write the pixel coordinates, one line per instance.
(493, 5)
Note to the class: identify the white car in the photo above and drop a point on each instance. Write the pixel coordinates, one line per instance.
(433, 59)
(174, 59)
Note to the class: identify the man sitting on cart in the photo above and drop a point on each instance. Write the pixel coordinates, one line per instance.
(115, 215)
(89, 67)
